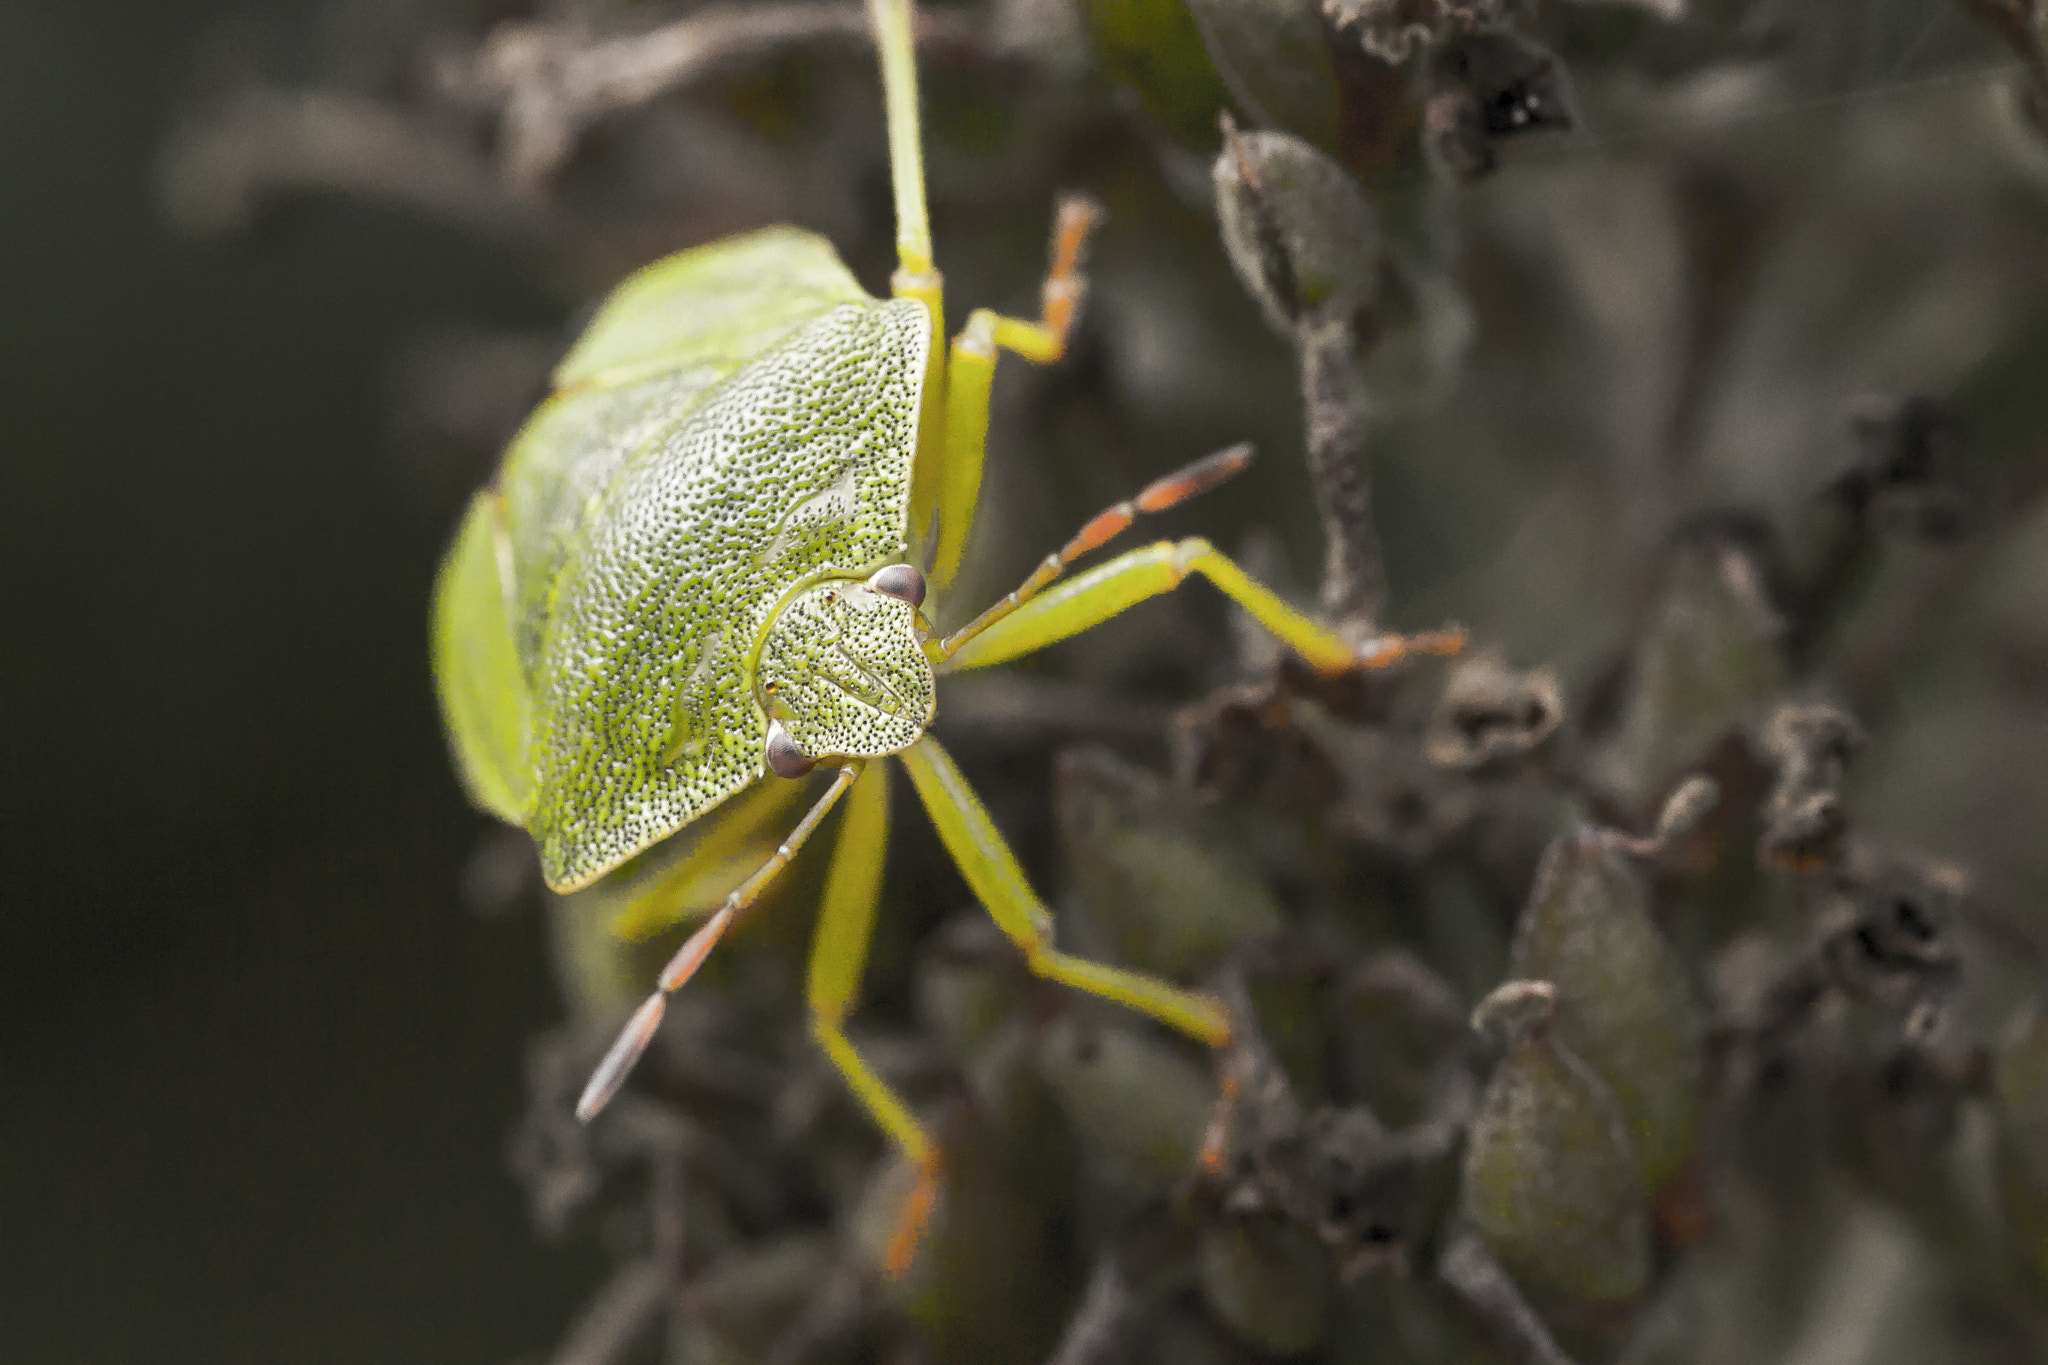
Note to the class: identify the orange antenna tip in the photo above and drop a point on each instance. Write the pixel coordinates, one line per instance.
(1199, 477)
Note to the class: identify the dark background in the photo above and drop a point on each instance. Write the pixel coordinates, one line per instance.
(257, 1063)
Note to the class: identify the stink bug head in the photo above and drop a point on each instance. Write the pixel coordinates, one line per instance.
(843, 668)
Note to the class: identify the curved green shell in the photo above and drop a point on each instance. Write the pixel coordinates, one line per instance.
(738, 420)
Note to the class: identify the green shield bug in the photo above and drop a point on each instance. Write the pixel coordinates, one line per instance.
(693, 575)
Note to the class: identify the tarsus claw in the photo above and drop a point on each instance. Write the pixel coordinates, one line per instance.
(1391, 649)
(916, 1215)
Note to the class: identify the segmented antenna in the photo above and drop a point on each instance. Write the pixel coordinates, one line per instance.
(633, 1039)
(1156, 496)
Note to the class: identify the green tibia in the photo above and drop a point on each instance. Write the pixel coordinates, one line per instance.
(843, 670)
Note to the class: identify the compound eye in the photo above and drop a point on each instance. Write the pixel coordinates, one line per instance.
(785, 759)
(900, 581)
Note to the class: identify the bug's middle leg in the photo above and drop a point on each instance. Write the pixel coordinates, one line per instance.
(991, 870)
(971, 368)
(839, 954)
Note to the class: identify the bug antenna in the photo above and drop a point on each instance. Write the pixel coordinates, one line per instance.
(618, 1063)
(639, 1031)
(1156, 496)
(895, 24)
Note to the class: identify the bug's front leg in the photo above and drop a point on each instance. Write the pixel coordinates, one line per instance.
(839, 954)
(991, 870)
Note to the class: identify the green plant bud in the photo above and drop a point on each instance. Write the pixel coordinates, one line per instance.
(1275, 57)
(1710, 654)
(1144, 1104)
(1268, 1281)
(1298, 230)
(1167, 887)
(1624, 1005)
(2020, 1084)
(1550, 1180)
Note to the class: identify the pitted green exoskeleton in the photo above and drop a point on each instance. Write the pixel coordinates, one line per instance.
(843, 671)
(694, 577)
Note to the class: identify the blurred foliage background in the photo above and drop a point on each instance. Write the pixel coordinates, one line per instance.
(1690, 356)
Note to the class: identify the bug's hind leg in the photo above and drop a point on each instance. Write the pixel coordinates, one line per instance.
(839, 953)
(971, 368)
(991, 870)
